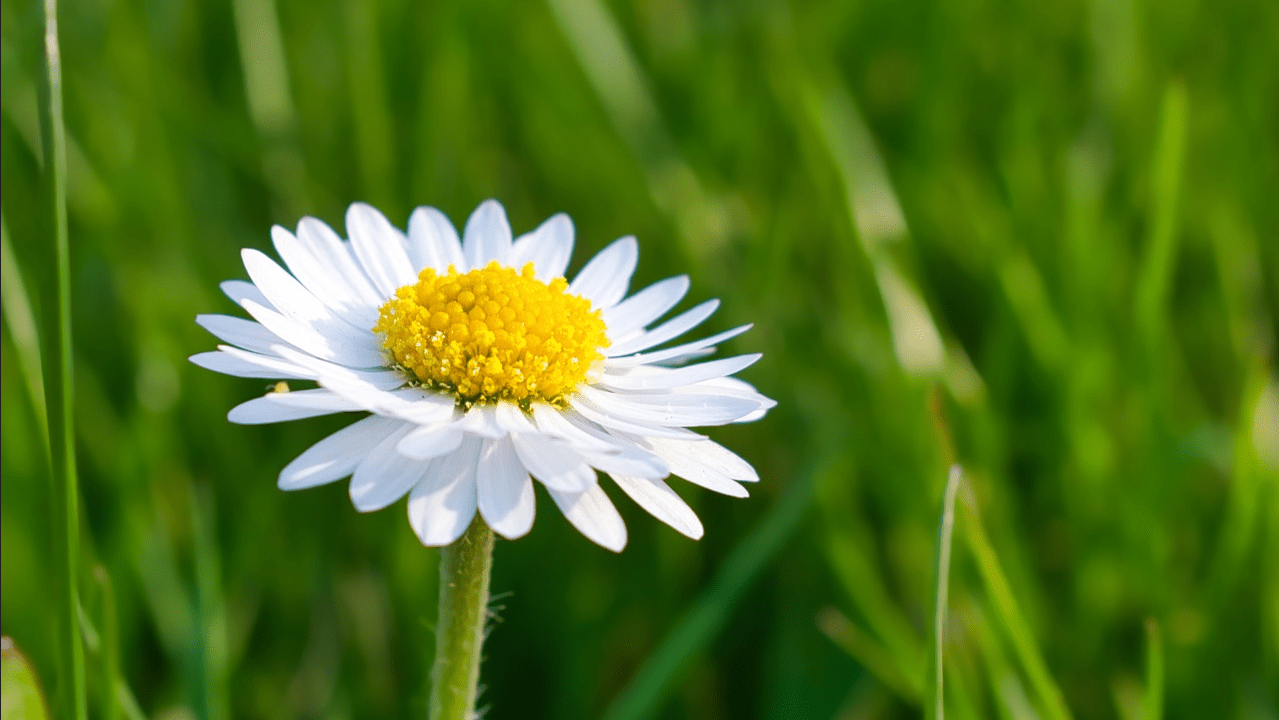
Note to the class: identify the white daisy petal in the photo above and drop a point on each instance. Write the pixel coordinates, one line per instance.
(433, 241)
(668, 330)
(661, 502)
(324, 371)
(409, 404)
(283, 406)
(330, 251)
(655, 378)
(593, 514)
(482, 420)
(244, 334)
(240, 363)
(487, 235)
(671, 408)
(289, 299)
(512, 419)
(704, 463)
(554, 464)
(552, 422)
(384, 476)
(241, 290)
(431, 441)
(337, 455)
(442, 505)
(614, 418)
(630, 461)
(318, 277)
(343, 348)
(679, 352)
(605, 278)
(733, 387)
(645, 306)
(380, 248)
(504, 490)
(548, 248)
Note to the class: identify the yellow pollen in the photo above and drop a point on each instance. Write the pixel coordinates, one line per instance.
(493, 334)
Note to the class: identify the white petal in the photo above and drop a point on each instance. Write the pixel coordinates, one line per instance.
(345, 347)
(705, 463)
(324, 371)
(241, 290)
(631, 461)
(487, 235)
(431, 441)
(611, 418)
(505, 491)
(415, 405)
(337, 455)
(385, 475)
(548, 248)
(733, 387)
(323, 280)
(554, 463)
(666, 409)
(645, 306)
(284, 406)
(655, 378)
(380, 248)
(241, 363)
(661, 502)
(482, 420)
(242, 333)
(551, 422)
(289, 299)
(433, 241)
(512, 419)
(330, 250)
(605, 278)
(442, 505)
(679, 352)
(593, 514)
(668, 330)
(286, 295)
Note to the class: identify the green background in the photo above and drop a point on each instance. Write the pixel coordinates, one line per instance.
(1043, 232)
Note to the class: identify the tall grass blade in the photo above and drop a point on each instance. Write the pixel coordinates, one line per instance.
(1155, 274)
(55, 333)
(1153, 700)
(19, 318)
(1023, 640)
(642, 697)
(945, 533)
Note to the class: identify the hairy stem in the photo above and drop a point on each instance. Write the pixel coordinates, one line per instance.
(459, 632)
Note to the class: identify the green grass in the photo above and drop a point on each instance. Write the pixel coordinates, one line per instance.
(1052, 224)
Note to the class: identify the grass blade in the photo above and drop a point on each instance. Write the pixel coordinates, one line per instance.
(1155, 274)
(945, 533)
(642, 697)
(1023, 640)
(1153, 701)
(55, 333)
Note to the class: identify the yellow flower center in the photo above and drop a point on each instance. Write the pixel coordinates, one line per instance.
(493, 334)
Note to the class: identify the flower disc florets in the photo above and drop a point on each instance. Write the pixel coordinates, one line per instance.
(493, 334)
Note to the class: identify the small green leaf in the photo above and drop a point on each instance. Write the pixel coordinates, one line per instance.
(20, 695)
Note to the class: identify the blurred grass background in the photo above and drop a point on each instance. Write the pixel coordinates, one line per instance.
(1036, 237)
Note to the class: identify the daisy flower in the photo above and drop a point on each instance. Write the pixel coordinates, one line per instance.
(484, 369)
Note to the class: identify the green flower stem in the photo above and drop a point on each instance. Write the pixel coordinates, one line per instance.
(459, 632)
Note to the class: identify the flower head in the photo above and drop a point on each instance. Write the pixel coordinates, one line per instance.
(484, 369)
